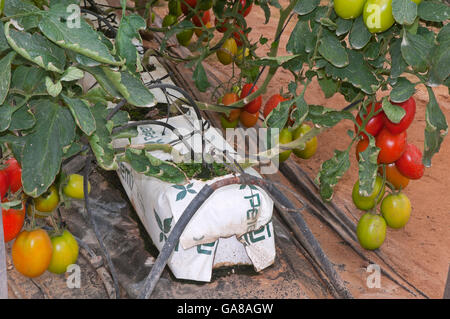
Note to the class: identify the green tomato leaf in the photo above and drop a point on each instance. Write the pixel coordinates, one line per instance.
(326, 117)
(279, 115)
(328, 86)
(127, 38)
(101, 141)
(440, 61)
(80, 38)
(23, 118)
(402, 90)
(356, 72)
(393, 112)
(82, 114)
(130, 87)
(398, 64)
(53, 89)
(404, 11)
(306, 6)
(99, 74)
(144, 163)
(296, 43)
(416, 50)
(332, 50)
(36, 48)
(30, 80)
(436, 128)
(359, 34)
(331, 172)
(5, 76)
(433, 11)
(301, 110)
(43, 150)
(23, 7)
(368, 166)
(200, 78)
(343, 26)
(72, 74)
(3, 42)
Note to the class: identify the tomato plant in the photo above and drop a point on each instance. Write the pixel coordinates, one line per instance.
(396, 210)
(65, 252)
(13, 219)
(32, 252)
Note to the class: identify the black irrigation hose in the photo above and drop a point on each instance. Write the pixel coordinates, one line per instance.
(111, 267)
(174, 236)
(314, 247)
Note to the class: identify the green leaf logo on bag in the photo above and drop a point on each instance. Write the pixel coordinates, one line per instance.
(164, 226)
(184, 190)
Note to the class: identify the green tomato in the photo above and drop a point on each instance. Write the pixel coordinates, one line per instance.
(310, 146)
(371, 231)
(74, 186)
(378, 16)
(396, 210)
(205, 4)
(184, 37)
(368, 202)
(349, 9)
(227, 52)
(175, 8)
(228, 124)
(65, 252)
(48, 201)
(169, 20)
(285, 138)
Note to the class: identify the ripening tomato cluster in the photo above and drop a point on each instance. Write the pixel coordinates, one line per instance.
(248, 117)
(232, 48)
(34, 251)
(399, 162)
(377, 14)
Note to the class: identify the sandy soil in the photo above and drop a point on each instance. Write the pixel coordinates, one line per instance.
(420, 251)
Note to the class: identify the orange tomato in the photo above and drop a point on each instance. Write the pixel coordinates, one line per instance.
(394, 176)
(32, 252)
(248, 119)
(361, 147)
(229, 99)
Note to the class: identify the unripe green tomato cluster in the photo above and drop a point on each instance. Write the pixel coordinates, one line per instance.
(377, 14)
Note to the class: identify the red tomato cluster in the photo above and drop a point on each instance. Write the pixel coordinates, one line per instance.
(404, 161)
(11, 182)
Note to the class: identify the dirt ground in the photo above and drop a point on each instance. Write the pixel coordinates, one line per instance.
(421, 251)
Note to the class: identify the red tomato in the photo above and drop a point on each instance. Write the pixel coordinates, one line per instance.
(361, 147)
(395, 177)
(242, 6)
(4, 183)
(272, 103)
(13, 220)
(392, 146)
(14, 172)
(185, 7)
(220, 25)
(238, 37)
(410, 163)
(375, 124)
(410, 107)
(254, 105)
(206, 17)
